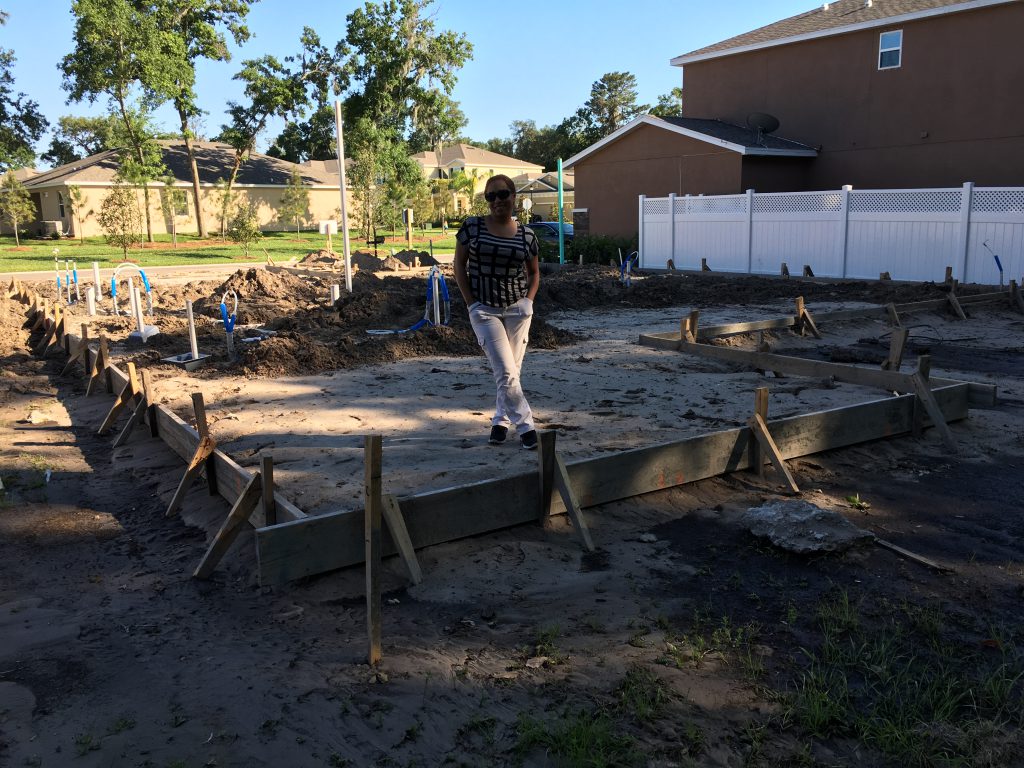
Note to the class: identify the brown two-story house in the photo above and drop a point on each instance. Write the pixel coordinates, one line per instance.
(890, 94)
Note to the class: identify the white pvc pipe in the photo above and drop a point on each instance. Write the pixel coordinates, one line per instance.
(96, 280)
(335, 293)
(192, 331)
(131, 299)
(90, 299)
(138, 311)
(435, 290)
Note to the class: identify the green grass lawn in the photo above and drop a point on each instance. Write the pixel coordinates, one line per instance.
(37, 255)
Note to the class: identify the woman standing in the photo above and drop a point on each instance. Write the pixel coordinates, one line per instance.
(497, 270)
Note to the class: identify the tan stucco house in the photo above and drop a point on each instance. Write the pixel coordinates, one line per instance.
(479, 164)
(261, 182)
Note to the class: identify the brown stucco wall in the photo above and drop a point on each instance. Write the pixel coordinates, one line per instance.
(951, 113)
(654, 162)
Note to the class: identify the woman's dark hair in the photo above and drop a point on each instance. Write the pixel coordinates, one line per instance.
(509, 184)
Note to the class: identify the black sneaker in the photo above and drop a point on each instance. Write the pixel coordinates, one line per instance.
(498, 434)
(529, 440)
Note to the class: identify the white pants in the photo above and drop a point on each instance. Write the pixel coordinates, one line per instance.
(503, 334)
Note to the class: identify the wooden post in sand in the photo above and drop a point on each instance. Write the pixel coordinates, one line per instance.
(372, 449)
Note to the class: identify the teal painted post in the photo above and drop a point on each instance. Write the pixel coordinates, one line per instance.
(561, 218)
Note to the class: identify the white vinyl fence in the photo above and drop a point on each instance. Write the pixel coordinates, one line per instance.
(913, 234)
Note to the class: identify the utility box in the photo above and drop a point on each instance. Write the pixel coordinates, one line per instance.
(51, 227)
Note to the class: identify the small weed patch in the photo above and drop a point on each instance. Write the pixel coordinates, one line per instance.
(578, 739)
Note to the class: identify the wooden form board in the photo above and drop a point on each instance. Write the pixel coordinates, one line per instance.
(730, 329)
(326, 542)
(183, 439)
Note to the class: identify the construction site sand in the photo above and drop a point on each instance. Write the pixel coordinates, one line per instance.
(115, 656)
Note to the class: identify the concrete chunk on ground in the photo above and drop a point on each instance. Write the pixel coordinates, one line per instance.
(802, 527)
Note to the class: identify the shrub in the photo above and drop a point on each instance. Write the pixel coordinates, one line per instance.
(595, 249)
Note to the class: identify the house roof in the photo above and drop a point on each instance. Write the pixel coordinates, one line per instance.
(547, 182)
(833, 18)
(466, 154)
(213, 159)
(745, 141)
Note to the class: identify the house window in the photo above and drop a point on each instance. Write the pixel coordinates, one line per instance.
(60, 204)
(890, 49)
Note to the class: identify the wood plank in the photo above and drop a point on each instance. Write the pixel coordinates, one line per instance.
(572, 505)
(269, 507)
(99, 365)
(732, 329)
(764, 437)
(871, 377)
(546, 467)
(203, 452)
(911, 555)
(81, 347)
(400, 535)
(924, 394)
(761, 409)
(128, 393)
(231, 527)
(897, 343)
(326, 542)
(372, 540)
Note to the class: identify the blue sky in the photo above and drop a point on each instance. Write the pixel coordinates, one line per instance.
(533, 59)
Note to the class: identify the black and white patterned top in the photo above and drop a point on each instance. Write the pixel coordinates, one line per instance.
(497, 276)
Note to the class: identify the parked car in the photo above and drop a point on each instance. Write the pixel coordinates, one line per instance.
(547, 231)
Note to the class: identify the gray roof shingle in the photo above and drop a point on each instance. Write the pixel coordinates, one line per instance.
(734, 134)
(214, 161)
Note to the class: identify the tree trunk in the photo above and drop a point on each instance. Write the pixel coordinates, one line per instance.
(200, 222)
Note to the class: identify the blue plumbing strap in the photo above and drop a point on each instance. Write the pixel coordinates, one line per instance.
(229, 322)
(425, 320)
(145, 282)
(113, 287)
(999, 264)
(634, 256)
(75, 273)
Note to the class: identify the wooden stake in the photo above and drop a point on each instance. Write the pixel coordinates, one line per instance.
(546, 467)
(884, 276)
(130, 392)
(199, 406)
(911, 555)
(80, 353)
(41, 315)
(240, 512)
(51, 331)
(760, 431)
(203, 452)
(572, 505)
(896, 346)
(924, 394)
(372, 539)
(949, 276)
(1016, 300)
(954, 304)
(804, 319)
(808, 272)
(688, 326)
(785, 269)
(761, 409)
(99, 365)
(704, 266)
(141, 404)
(894, 316)
(269, 505)
(400, 535)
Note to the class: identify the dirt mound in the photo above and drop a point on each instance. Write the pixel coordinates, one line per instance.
(323, 257)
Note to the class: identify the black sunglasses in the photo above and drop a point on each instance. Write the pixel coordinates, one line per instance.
(501, 194)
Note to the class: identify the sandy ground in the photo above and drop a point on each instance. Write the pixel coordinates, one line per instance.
(114, 656)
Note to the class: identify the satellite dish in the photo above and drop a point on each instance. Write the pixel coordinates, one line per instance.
(763, 122)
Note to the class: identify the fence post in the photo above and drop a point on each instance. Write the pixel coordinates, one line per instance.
(672, 225)
(640, 234)
(965, 224)
(750, 231)
(844, 224)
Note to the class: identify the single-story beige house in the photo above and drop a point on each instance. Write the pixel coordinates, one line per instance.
(261, 182)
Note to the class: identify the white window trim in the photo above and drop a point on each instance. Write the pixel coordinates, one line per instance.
(882, 50)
